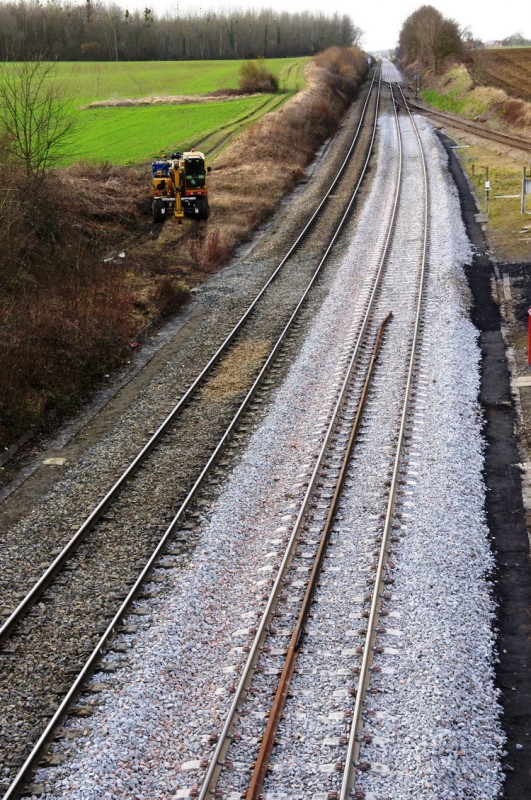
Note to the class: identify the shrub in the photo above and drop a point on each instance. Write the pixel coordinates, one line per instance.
(56, 342)
(254, 77)
(214, 252)
(207, 250)
(349, 62)
(514, 112)
(66, 315)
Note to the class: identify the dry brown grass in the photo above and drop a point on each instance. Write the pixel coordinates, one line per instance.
(237, 370)
(105, 192)
(167, 100)
(517, 114)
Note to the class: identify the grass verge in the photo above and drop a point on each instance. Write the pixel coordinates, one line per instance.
(508, 231)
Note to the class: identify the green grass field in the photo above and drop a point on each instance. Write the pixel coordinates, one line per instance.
(135, 135)
(103, 80)
(455, 94)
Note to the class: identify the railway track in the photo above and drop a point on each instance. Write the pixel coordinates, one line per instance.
(38, 651)
(518, 142)
(161, 725)
(262, 745)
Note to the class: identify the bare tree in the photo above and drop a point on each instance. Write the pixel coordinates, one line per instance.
(35, 119)
(428, 38)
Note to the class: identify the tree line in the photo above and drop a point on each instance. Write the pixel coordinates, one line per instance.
(61, 30)
(516, 40)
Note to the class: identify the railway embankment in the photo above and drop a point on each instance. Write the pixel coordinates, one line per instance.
(94, 273)
(137, 411)
(457, 91)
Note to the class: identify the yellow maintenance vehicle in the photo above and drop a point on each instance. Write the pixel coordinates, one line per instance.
(179, 186)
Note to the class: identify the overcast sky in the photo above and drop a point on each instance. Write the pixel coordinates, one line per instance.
(380, 20)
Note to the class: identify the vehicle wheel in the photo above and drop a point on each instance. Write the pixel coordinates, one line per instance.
(204, 210)
(158, 211)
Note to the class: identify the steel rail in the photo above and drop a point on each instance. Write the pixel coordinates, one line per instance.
(91, 663)
(367, 658)
(222, 745)
(55, 567)
(268, 739)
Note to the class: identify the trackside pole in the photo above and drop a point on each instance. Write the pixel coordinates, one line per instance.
(529, 336)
